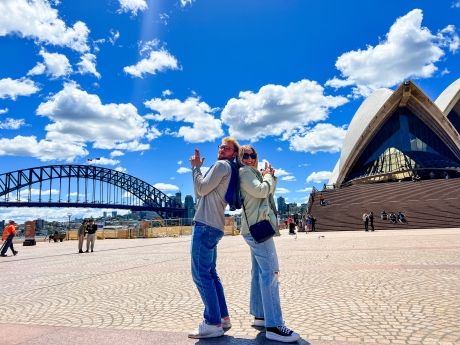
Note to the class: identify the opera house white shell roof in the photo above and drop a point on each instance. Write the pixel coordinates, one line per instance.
(380, 105)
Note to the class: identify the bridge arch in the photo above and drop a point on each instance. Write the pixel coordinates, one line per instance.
(83, 186)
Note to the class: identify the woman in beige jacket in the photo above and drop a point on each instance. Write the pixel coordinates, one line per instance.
(257, 190)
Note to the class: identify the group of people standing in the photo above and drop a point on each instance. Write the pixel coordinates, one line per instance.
(368, 220)
(88, 228)
(235, 172)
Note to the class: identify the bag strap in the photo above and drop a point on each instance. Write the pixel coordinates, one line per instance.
(258, 208)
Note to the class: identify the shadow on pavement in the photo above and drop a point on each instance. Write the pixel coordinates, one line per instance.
(231, 340)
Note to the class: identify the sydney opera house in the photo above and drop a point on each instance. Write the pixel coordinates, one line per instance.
(401, 153)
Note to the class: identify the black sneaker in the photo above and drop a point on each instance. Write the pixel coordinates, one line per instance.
(15, 253)
(282, 334)
(4, 255)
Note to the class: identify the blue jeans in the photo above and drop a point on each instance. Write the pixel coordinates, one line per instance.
(8, 244)
(204, 256)
(265, 297)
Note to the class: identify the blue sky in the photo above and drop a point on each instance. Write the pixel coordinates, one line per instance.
(141, 83)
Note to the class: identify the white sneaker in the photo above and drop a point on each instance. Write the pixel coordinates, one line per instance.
(258, 322)
(226, 323)
(206, 331)
(282, 334)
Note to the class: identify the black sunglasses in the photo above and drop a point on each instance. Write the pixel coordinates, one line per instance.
(249, 155)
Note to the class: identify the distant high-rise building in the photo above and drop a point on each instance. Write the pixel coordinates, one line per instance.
(2, 224)
(39, 225)
(281, 206)
(292, 208)
(104, 214)
(178, 198)
(190, 206)
(114, 214)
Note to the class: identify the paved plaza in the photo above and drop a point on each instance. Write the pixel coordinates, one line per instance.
(350, 288)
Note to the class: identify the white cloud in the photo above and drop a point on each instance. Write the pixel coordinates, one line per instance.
(41, 24)
(103, 161)
(133, 6)
(281, 190)
(323, 137)
(205, 127)
(87, 65)
(164, 18)
(114, 36)
(456, 4)
(166, 93)
(305, 190)
(56, 65)
(43, 150)
(38, 69)
(117, 153)
(80, 117)
(166, 187)
(12, 88)
(157, 61)
(10, 123)
(121, 169)
(278, 171)
(179, 162)
(3, 111)
(288, 178)
(408, 51)
(319, 176)
(276, 110)
(35, 191)
(184, 3)
(183, 170)
(279, 149)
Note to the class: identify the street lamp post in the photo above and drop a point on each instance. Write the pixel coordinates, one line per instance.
(68, 227)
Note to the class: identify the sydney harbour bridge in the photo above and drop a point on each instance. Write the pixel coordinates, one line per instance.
(83, 186)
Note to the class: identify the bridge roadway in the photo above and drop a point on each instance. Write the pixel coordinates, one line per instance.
(347, 288)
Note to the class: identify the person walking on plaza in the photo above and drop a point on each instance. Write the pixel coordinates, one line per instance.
(8, 235)
(257, 190)
(81, 235)
(371, 220)
(210, 191)
(91, 230)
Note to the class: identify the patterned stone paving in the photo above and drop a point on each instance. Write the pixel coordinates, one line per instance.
(387, 287)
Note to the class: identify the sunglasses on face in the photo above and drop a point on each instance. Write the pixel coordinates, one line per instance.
(249, 155)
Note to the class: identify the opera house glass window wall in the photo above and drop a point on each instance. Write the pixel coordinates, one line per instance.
(403, 148)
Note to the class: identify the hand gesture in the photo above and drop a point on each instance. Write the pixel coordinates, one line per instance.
(268, 170)
(196, 161)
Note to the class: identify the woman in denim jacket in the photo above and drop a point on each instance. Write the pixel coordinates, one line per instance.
(257, 190)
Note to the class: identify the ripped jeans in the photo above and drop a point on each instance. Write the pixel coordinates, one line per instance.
(265, 297)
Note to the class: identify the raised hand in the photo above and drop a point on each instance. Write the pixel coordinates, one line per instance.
(196, 160)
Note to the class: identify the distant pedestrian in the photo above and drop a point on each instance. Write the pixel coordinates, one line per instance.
(91, 230)
(8, 235)
(366, 222)
(313, 223)
(371, 220)
(81, 235)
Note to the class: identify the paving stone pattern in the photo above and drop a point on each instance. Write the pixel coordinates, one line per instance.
(388, 287)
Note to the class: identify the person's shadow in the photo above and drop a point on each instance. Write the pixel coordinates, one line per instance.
(231, 340)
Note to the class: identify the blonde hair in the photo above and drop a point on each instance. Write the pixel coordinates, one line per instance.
(231, 140)
(248, 147)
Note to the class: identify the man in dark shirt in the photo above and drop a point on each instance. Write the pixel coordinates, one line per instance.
(91, 229)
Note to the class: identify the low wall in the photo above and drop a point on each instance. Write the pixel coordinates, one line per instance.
(166, 231)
